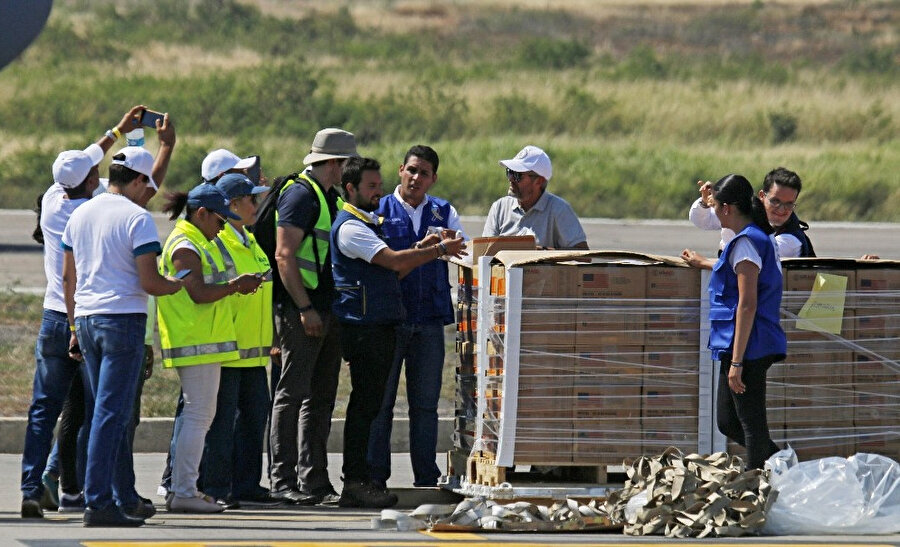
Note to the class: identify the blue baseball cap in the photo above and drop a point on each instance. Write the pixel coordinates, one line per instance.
(235, 185)
(208, 196)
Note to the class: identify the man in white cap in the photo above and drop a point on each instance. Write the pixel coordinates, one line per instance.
(305, 324)
(75, 178)
(109, 268)
(220, 162)
(529, 209)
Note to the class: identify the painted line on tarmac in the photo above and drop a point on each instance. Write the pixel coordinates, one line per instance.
(439, 543)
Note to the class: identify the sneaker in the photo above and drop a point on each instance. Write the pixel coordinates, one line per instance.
(325, 495)
(201, 503)
(141, 510)
(50, 496)
(365, 494)
(112, 516)
(71, 503)
(31, 509)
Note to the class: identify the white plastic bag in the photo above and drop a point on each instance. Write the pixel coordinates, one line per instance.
(855, 495)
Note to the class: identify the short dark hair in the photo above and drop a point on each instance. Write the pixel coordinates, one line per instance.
(424, 152)
(353, 170)
(782, 177)
(119, 175)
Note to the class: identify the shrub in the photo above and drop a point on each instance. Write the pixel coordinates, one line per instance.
(552, 53)
(784, 126)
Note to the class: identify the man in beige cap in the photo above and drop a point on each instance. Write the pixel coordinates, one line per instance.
(306, 327)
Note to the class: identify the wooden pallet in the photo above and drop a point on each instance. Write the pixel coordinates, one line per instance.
(481, 469)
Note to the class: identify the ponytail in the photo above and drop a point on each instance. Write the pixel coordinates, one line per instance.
(759, 216)
(175, 204)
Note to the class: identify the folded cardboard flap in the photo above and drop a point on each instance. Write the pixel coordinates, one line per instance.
(512, 258)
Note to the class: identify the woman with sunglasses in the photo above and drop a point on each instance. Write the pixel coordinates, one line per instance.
(745, 333)
(196, 330)
(232, 475)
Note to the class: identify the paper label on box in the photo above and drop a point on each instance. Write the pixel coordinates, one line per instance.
(824, 310)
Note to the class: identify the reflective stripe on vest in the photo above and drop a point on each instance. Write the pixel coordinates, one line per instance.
(230, 269)
(199, 349)
(254, 352)
(313, 250)
(215, 276)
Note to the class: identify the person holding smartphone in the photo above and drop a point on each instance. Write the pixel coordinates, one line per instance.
(196, 330)
(231, 468)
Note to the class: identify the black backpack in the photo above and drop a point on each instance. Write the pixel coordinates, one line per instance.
(264, 227)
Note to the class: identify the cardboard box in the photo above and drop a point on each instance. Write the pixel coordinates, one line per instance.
(670, 282)
(606, 441)
(679, 407)
(672, 325)
(614, 365)
(615, 402)
(878, 322)
(825, 406)
(798, 284)
(829, 367)
(671, 366)
(876, 366)
(489, 246)
(871, 282)
(877, 405)
(612, 282)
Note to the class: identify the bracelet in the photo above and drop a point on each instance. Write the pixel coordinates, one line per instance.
(417, 245)
(703, 204)
(305, 308)
(737, 364)
(116, 132)
(443, 248)
(71, 328)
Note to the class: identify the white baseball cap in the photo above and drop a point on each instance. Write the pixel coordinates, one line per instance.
(218, 161)
(72, 166)
(138, 159)
(530, 158)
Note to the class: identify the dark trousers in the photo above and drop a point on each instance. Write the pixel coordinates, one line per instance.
(72, 447)
(232, 458)
(742, 416)
(369, 349)
(304, 402)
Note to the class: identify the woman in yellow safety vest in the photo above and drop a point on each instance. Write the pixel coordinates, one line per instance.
(232, 461)
(196, 330)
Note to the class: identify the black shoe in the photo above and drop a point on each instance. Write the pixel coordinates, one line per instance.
(143, 510)
(111, 517)
(365, 494)
(31, 509)
(293, 497)
(260, 498)
(228, 503)
(325, 495)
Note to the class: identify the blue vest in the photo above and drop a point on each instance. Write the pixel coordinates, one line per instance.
(366, 294)
(766, 337)
(426, 289)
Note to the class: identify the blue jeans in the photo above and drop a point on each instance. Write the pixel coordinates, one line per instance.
(113, 350)
(53, 376)
(232, 458)
(421, 348)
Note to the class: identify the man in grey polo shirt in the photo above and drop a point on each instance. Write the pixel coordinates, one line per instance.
(529, 209)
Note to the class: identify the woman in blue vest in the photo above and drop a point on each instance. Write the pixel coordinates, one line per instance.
(744, 301)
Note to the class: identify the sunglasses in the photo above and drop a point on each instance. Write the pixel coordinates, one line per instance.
(514, 176)
(222, 219)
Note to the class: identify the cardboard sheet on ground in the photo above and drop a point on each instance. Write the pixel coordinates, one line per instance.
(824, 310)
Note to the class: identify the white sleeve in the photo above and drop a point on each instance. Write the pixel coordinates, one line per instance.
(356, 240)
(704, 217)
(186, 244)
(788, 246)
(454, 224)
(742, 250)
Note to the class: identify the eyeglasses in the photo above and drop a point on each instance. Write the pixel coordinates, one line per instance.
(778, 204)
(515, 176)
(221, 219)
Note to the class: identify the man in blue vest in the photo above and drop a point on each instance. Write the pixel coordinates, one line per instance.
(410, 214)
(369, 307)
(307, 330)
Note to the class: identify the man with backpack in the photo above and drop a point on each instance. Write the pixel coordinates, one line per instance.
(308, 331)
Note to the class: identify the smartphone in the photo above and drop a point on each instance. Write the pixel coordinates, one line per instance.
(149, 117)
(265, 275)
(181, 274)
(253, 172)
